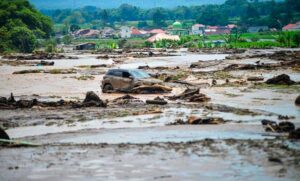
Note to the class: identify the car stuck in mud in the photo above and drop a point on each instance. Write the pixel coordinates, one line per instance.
(131, 80)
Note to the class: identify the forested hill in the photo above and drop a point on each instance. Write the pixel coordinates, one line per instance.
(62, 4)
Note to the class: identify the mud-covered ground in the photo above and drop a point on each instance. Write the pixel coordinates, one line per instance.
(132, 140)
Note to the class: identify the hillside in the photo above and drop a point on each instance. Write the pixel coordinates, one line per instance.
(58, 4)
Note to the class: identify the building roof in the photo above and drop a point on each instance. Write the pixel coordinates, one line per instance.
(231, 26)
(177, 24)
(86, 32)
(135, 31)
(163, 36)
(290, 26)
(199, 25)
(156, 31)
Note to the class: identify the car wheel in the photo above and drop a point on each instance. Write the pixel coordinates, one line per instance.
(107, 88)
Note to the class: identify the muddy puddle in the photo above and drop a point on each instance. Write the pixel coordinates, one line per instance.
(183, 60)
(168, 116)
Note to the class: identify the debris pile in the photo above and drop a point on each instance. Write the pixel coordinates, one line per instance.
(191, 95)
(295, 134)
(38, 56)
(282, 127)
(91, 100)
(151, 89)
(157, 100)
(198, 120)
(282, 79)
(126, 100)
(195, 120)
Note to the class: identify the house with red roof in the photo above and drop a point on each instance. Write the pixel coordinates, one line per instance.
(292, 27)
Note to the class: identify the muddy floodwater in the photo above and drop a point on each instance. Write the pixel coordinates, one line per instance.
(128, 139)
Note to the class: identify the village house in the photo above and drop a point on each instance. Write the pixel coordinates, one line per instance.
(108, 32)
(216, 30)
(135, 33)
(125, 32)
(177, 29)
(86, 46)
(256, 29)
(198, 29)
(86, 33)
(292, 27)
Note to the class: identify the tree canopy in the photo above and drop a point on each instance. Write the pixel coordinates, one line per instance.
(243, 12)
(20, 25)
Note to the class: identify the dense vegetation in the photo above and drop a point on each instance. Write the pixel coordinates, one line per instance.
(242, 12)
(59, 4)
(21, 25)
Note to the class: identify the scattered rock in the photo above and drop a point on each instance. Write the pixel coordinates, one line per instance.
(45, 63)
(195, 120)
(96, 66)
(157, 100)
(143, 67)
(282, 79)
(286, 126)
(214, 82)
(3, 134)
(274, 159)
(297, 101)
(254, 78)
(126, 100)
(191, 95)
(177, 122)
(272, 126)
(295, 134)
(26, 103)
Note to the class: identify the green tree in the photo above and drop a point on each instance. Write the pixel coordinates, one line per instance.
(23, 39)
(74, 27)
(67, 39)
(158, 18)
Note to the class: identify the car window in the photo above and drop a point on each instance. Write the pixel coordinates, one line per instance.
(139, 74)
(115, 73)
(126, 74)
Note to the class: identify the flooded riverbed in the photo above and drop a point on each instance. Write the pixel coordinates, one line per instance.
(138, 140)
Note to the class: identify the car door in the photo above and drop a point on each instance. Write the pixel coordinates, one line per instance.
(120, 80)
(127, 80)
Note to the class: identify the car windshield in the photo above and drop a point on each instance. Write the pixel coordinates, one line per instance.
(139, 74)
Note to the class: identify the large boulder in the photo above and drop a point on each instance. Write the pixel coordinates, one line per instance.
(297, 101)
(92, 99)
(282, 79)
(295, 134)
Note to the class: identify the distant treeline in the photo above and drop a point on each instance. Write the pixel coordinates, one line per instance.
(274, 14)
